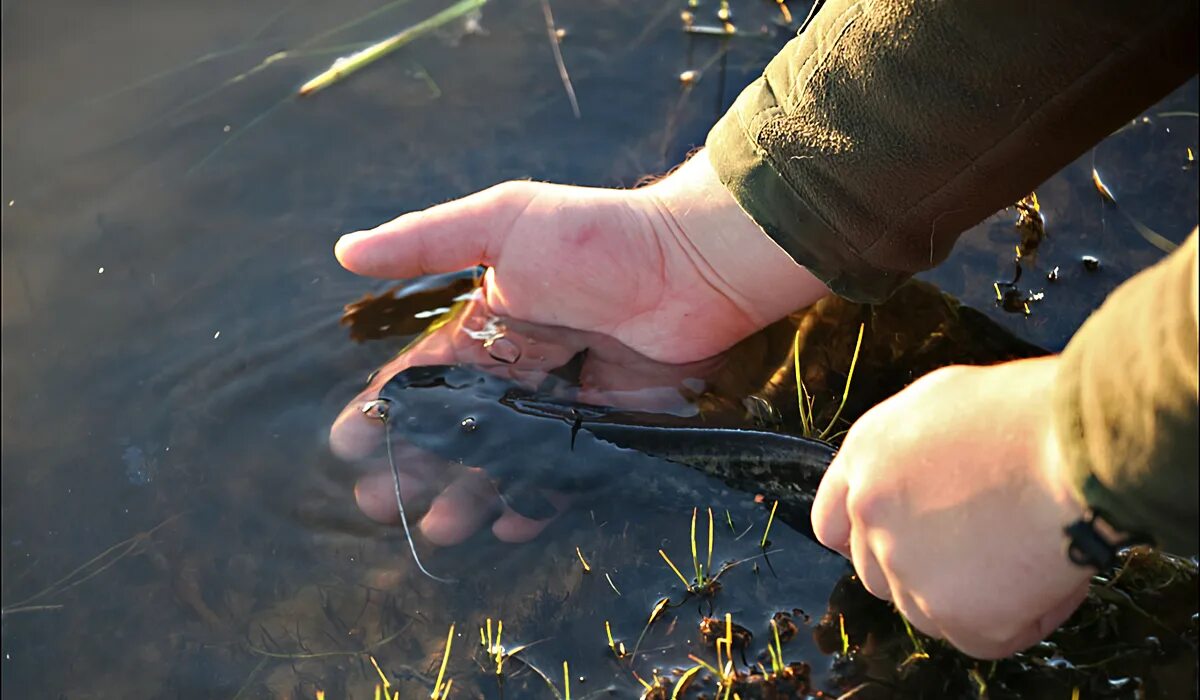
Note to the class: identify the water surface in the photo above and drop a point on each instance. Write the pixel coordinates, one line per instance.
(172, 353)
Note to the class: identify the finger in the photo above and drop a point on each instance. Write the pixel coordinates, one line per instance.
(970, 641)
(515, 528)
(867, 565)
(1058, 614)
(914, 610)
(375, 495)
(444, 238)
(1042, 627)
(830, 519)
(354, 435)
(461, 509)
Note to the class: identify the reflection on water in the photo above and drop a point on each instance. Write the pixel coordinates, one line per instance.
(172, 358)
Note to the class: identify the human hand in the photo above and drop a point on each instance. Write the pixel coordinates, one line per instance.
(458, 499)
(950, 499)
(676, 271)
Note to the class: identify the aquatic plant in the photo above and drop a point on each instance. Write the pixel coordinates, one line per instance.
(806, 401)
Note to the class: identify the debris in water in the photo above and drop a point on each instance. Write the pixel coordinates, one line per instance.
(1031, 225)
(100, 271)
(555, 39)
(1052, 276)
(785, 625)
(139, 469)
(347, 65)
(712, 629)
(725, 30)
(689, 77)
(1090, 263)
(724, 13)
(1102, 188)
(1152, 237)
(783, 10)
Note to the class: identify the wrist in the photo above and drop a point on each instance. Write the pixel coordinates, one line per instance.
(733, 252)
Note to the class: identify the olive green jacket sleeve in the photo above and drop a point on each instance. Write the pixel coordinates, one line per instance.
(1126, 404)
(885, 129)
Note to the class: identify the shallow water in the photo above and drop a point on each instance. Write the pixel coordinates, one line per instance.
(172, 354)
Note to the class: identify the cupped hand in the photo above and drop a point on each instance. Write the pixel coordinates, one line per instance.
(950, 499)
(672, 273)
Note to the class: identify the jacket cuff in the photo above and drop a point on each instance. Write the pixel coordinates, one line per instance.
(761, 191)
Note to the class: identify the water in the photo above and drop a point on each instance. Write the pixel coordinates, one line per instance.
(172, 353)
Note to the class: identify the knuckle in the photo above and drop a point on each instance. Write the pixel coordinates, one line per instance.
(869, 506)
(512, 190)
(942, 375)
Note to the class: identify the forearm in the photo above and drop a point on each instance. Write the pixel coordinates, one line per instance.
(886, 129)
(1126, 404)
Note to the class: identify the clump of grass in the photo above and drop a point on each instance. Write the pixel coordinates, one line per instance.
(805, 400)
(703, 583)
(493, 647)
(775, 649)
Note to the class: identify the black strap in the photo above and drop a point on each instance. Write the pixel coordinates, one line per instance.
(1087, 547)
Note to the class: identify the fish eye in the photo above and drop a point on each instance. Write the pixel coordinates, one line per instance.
(469, 424)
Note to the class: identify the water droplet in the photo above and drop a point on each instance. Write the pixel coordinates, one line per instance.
(469, 424)
(503, 350)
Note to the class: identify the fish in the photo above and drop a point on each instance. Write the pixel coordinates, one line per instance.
(534, 440)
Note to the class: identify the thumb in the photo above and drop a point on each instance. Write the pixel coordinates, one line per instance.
(448, 237)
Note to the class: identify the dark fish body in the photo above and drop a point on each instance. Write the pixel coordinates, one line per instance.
(529, 441)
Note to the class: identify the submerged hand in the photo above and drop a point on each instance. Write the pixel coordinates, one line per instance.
(675, 271)
(950, 500)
